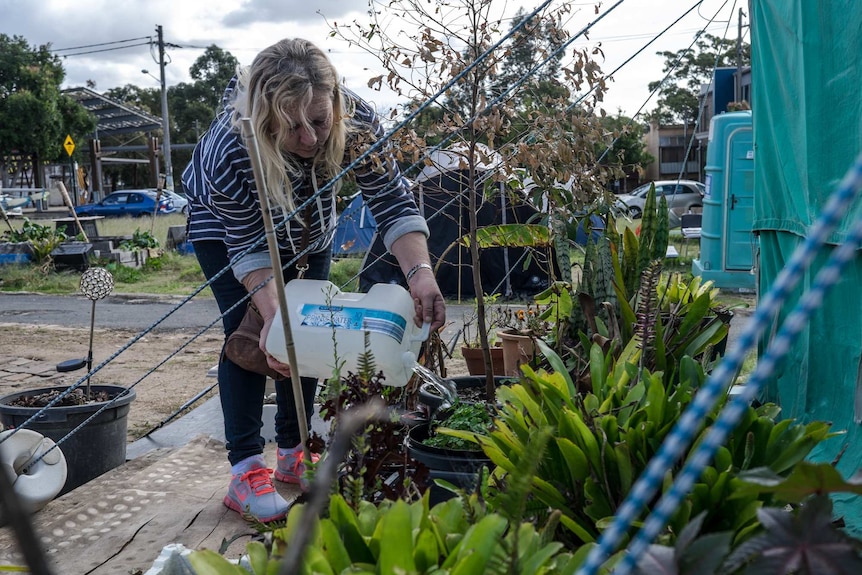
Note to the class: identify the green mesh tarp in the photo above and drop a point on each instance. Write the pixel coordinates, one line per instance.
(807, 114)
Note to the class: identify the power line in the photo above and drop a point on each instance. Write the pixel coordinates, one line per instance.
(105, 49)
(632, 57)
(101, 44)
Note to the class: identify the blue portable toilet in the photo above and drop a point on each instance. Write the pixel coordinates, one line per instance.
(728, 246)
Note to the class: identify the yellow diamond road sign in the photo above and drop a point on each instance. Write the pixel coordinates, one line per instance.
(69, 145)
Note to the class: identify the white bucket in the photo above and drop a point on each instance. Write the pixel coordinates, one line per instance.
(319, 311)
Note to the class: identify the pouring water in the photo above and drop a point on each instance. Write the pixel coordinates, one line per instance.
(444, 387)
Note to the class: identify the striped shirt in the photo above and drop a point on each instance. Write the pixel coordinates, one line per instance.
(219, 182)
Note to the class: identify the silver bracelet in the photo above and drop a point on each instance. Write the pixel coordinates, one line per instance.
(415, 269)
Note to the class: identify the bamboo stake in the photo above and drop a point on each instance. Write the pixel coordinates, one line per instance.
(250, 139)
(6, 219)
(71, 206)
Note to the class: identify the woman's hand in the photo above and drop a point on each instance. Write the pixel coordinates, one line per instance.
(428, 303)
(271, 361)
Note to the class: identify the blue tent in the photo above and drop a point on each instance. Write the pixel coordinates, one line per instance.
(355, 229)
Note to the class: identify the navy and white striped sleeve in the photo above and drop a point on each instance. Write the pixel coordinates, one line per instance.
(384, 188)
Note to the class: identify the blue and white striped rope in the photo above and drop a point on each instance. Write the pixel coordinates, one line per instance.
(686, 428)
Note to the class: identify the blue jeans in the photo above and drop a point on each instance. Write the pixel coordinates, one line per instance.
(241, 391)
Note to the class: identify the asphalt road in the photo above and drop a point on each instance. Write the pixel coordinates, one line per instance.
(137, 312)
(131, 312)
(140, 312)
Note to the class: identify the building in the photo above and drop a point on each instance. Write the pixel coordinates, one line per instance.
(670, 145)
(681, 148)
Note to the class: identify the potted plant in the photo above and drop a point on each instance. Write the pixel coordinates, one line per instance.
(471, 346)
(32, 242)
(518, 331)
(94, 449)
(444, 447)
(57, 412)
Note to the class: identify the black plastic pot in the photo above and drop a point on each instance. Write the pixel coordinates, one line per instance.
(94, 449)
(431, 398)
(459, 467)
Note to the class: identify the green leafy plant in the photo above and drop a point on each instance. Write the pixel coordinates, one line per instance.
(603, 437)
(376, 468)
(803, 542)
(44, 239)
(692, 555)
(141, 239)
(400, 537)
(800, 538)
(466, 417)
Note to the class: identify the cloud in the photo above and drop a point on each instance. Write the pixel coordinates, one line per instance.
(244, 27)
(277, 11)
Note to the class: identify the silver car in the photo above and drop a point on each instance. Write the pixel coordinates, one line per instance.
(180, 202)
(682, 196)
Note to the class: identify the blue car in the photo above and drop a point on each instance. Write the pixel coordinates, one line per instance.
(134, 203)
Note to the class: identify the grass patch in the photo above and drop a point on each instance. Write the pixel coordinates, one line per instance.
(113, 227)
(34, 278)
(157, 227)
(344, 273)
(169, 274)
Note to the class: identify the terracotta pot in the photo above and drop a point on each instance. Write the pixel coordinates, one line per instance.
(476, 360)
(518, 348)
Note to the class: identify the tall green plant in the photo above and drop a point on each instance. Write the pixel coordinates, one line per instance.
(544, 135)
(602, 440)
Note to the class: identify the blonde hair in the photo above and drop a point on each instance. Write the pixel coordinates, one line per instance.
(280, 77)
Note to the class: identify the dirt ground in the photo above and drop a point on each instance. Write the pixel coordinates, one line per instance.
(159, 394)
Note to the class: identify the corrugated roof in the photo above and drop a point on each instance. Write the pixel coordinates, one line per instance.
(114, 117)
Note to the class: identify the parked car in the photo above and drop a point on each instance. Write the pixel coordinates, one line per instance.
(682, 196)
(181, 203)
(135, 203)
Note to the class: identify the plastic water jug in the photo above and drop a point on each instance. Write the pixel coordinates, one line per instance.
(319, 311)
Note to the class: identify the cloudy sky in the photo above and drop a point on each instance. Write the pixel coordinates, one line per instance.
(109, 42)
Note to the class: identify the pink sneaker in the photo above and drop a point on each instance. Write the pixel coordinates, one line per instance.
(253, 493)
(291, 467)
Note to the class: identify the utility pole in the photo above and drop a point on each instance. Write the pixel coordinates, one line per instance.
(166, 126)
(737, 92)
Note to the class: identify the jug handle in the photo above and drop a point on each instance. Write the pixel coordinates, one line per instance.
(424, 333)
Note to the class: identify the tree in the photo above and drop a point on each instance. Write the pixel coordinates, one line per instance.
(687, 70)
(147, 99)
(628, 153)
(192, 106)
(533, 43)
(34, 116)
(211, 73)
(533, 125)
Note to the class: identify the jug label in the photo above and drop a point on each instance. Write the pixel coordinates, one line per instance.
(354, 318)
